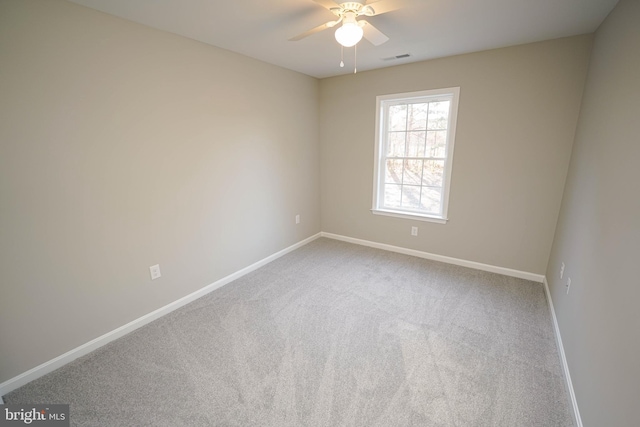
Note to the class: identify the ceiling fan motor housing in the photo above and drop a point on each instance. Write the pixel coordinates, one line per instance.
(353, 6)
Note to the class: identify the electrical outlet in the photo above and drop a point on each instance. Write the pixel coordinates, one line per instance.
(568, 284)
(562, 270)
(297, 219)
(414, 231)
(155, 271)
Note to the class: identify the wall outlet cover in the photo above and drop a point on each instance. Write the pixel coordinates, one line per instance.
(154, 270)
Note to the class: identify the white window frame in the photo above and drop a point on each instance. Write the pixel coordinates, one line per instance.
(382, 105)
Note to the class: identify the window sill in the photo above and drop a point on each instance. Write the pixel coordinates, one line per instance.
(408, 215)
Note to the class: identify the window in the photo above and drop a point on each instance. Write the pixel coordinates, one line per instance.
(414, 153)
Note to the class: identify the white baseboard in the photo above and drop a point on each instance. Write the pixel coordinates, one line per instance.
(563, 358)
(434, 257)
(86, 348)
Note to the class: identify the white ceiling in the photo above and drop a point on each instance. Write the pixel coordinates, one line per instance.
(425, 29)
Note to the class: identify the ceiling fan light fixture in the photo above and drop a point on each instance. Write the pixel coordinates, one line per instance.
(350, 33)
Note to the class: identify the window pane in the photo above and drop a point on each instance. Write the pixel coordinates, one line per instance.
(436, 144)
(438, 114)
(415, 144)
(392, 194)
(398, 117)
(431, 144)
(440, 149)
(410, 196)
(433, 173)
(393, 172)
(412, 172)
(417, 116)
(395, 144)
(430, 201)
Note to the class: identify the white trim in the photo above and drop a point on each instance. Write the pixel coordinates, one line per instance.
(563, 359)
(88, 347)
(435, 257)
(408, 215)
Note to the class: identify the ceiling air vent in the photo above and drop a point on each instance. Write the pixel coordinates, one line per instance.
(393, 58)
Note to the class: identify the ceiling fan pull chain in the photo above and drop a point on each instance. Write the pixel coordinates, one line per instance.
(341, 56)
(355, 59)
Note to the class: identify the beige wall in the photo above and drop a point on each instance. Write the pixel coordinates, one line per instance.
(122, 147)
(516, 122)
(598, 234)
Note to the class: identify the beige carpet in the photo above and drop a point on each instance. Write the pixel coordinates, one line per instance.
(332, 334)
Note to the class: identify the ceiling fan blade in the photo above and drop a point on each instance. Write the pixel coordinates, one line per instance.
(317, 29)
(329, 4)
(384, 6)
(374, 35)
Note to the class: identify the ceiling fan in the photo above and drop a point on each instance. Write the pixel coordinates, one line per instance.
(352, 30)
